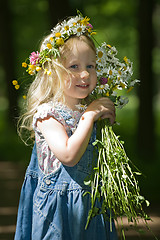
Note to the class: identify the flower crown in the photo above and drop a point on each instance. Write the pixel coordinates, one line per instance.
(74, 26)
(112, 73)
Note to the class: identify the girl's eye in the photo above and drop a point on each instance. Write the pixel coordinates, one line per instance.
(90, 66)
(74, 66)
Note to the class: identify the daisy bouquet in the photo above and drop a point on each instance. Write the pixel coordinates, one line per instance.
(113, 181)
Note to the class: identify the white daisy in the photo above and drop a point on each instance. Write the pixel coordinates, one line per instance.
(102, 88)
(81, 107)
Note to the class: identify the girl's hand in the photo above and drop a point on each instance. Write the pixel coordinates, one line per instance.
(101, 108)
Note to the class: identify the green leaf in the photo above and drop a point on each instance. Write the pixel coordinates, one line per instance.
(86, 193)
(147, 203)
(87, 182)
(97, 142)
(138, 173)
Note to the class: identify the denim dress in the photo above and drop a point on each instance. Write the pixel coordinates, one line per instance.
(52, 202)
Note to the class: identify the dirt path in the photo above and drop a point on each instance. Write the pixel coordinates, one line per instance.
(11, 178)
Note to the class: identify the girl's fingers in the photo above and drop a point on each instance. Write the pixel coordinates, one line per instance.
(110, 116)
(102, 108)
(109, 113)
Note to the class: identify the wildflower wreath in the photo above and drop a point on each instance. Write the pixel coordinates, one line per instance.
(113, 181)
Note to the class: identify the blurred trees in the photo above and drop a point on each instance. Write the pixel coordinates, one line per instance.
(7, 57)
(146, 124)
(125, 24)
(58, 11)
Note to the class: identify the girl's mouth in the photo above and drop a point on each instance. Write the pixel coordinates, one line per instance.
(83, 86)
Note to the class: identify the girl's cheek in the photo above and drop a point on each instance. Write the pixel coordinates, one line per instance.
(67, 83)
(75, 76)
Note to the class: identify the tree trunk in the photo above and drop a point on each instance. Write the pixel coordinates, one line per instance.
(7, 58)
(59, 10)
(146, 118)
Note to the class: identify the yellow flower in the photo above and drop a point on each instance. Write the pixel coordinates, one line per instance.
(110, 72)
(60, 41)
(89, 30)
(107, 94)
(32, 67)
(108, 45)
(93, 33)
(17, 87)
(66, 28)
(24, 64)
(126, 60)
(24, 96)
(100, 54)
(38, 69)
(58, 34)
(85, 21)
(30, 72)
(14, 82)
(49, 45)
(51, 39)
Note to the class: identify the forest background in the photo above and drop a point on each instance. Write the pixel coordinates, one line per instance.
(133, 26)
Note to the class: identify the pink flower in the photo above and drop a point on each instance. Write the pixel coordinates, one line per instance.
(89, 25)
(34, 58)
(103, 80)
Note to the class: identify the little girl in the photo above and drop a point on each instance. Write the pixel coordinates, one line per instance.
(52, 203)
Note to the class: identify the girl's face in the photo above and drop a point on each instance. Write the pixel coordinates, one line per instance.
(81, 62)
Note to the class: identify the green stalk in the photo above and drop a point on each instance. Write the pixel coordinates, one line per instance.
(114, 181)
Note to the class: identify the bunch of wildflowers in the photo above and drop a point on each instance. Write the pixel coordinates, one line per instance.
(113, 75)
(113, 181)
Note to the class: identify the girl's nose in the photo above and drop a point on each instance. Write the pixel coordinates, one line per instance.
(84, 74)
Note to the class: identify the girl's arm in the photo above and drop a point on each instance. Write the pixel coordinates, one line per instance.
(69, 150)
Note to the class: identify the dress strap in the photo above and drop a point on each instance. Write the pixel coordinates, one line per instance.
(33, 167)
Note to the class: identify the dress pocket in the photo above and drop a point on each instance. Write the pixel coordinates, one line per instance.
(44, 209)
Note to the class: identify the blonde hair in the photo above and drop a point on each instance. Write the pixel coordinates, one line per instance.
(47, 87)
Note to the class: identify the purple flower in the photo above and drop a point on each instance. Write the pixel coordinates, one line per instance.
(34, 58)
(103, 80)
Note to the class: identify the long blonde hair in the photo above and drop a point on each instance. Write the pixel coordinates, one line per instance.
(47, 87)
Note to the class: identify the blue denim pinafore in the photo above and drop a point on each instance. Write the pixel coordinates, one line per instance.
(52, 206)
